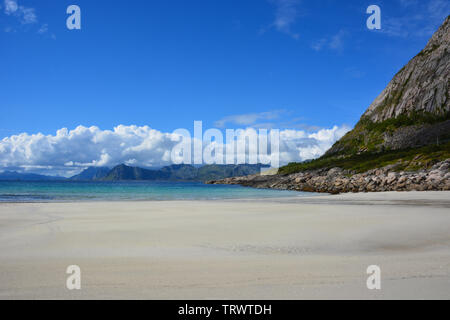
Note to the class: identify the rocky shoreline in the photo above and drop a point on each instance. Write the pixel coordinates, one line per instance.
(336, 180)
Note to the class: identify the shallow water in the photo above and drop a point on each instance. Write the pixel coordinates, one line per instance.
(19, 191)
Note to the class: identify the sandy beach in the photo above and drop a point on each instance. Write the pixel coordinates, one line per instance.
(295, 248)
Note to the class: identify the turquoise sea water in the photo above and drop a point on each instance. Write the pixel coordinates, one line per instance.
(17, 191)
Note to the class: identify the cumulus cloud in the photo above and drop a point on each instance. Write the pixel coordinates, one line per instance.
(299, 145)
(69, 151)
(84, 147)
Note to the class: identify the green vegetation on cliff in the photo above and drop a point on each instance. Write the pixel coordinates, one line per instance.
(369, 136)
(403, 120)
(363, 149)
(402, 160)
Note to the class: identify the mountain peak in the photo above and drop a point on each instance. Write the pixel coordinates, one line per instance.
(91, 173)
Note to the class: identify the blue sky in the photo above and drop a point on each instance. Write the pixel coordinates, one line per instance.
(290, 64)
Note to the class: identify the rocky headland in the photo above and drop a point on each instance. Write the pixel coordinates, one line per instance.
(337, 180)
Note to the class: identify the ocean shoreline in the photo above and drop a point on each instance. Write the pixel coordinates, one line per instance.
(306, 198)
(51, 191)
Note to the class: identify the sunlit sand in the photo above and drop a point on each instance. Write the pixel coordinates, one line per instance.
(305, 248)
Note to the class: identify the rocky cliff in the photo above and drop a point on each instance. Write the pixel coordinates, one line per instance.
(422, 85)
(413, 110)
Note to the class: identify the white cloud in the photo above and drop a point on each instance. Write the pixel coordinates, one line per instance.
(248, 118)
(274, 119)
(286, 14)
(11, 6)
(418, 19)
(68, 151)
(299, 145)
(335, 42)
(43, 29)
(28, 15)
(24, 14)
(87, 147)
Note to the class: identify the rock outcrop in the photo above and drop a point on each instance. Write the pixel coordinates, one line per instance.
(336, 180)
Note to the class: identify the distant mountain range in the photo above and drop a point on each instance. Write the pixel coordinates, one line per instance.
(91, 173)
(181, 172)
(126, 173)
(17, 176)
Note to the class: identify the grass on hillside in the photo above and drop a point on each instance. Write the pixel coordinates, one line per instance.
(369, 136)
(404, 120)
(405, 160)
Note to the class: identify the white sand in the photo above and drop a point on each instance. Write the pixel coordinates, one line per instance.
(273, 249)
